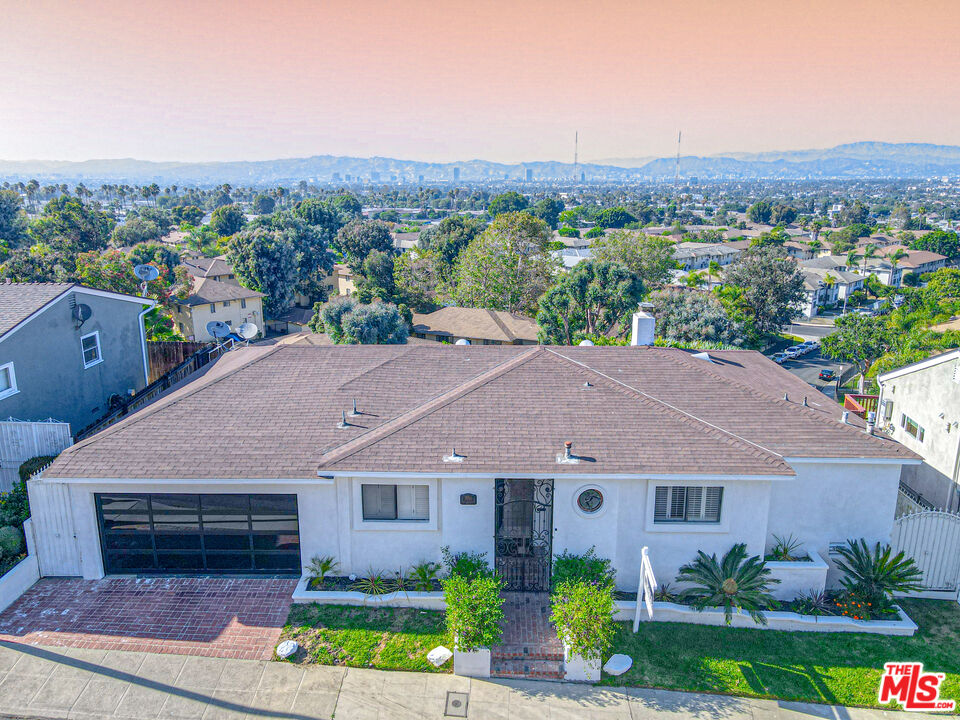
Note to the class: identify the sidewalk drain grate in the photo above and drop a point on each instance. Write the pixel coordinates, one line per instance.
(456, 704)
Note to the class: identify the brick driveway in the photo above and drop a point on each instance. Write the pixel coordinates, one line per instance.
(216, 617)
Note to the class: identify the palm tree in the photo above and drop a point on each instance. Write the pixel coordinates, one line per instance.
(875, 576)
(694, 280)
(895, 259)
(736, 581)
(714, 269)
(870, 251)
(852, 258)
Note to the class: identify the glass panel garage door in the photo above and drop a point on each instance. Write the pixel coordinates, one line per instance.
(199, 533)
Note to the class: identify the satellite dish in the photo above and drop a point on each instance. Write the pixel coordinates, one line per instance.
(82, 313)
(146, 272)
(462, 341)
(248, 331)
(218, 329)
(585, 343)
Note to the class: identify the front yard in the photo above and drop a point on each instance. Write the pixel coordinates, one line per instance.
(382, 638)
(837, 668)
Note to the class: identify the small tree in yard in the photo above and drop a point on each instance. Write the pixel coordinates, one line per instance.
(859, 340)
(583, 615)
(474, 610)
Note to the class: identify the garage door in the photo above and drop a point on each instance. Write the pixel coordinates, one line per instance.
(160, 533)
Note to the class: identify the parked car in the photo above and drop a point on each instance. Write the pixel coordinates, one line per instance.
(794, 351)
(828, 375)
(779, 358)
(864, 311)
(811, 345)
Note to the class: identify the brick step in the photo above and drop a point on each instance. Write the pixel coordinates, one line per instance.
(529, 669)
(527, 652)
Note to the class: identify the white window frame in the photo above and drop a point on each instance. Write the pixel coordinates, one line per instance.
(13, 389)
(687, 527)
(83, 353)
(430, 524)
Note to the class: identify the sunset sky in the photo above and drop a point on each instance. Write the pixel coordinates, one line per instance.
(507, 80)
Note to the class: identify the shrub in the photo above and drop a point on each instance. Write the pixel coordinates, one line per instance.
(11, 541)
(466, 564)
(320, 567)
(14, 506)
(588, 568)
(474, 610)
(785, 549)
(424, 575)
(736, 581)
(874, 576)
(664, 593)
(594, 232)
(375, 583)
(567, 231)
(583, 614)
(815, 602)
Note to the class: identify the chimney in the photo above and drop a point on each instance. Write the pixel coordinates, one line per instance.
(644, 327)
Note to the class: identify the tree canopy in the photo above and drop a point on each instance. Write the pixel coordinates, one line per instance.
(692, 316)
(650, 257)
(507, 202)
(772, 285)
(264, 260)
(350, 322)
(359, 238)
(227, 220)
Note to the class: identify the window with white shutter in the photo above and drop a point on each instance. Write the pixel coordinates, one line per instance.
(693, 504)
(395, 502)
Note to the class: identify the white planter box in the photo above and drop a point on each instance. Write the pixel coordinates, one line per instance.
(776, 620)
(798, 578)
(473, 663)
(422, 600)
(16, 581)
(576, 669)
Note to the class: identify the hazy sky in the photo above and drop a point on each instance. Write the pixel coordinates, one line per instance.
(505, 80)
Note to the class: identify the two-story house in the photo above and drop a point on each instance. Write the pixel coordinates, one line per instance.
(919, 406)
(216, 295)
(68, 351)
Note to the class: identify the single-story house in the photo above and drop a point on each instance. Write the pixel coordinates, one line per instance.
(478, 325)
(517, 452)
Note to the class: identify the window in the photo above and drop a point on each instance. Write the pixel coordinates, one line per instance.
(888, 410)
(8, 381)
(911, 427)
(90, 345)
(395, 502)
(687, 504)
(226, 303)
(213, 307)
(590, 500)
(243, 303)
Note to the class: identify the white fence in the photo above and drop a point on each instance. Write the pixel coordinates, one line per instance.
(20, 441)
(932, 539)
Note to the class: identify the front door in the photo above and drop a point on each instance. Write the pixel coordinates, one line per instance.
(523, 533)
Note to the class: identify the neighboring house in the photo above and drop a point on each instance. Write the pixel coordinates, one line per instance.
(66, 350)
(215, 268)
(216, 300)
(406, 241)
(827, 287)
(919, 407)
(263, 464)
(697, 255)
(340, 281)
(293, 320)
(478, 325)
(917, 261)
(571, 257)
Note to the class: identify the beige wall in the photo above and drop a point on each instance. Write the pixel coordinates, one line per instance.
(194, 319)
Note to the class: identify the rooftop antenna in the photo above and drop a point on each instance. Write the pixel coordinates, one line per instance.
(218, 330)
(248, 331)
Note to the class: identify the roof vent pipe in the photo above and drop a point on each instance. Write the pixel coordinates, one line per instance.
(805, 401)
(355, 413)
(845, 417)
(566, 449)
(568, 458)
(343, 420)
(786, 398)
(871, 422)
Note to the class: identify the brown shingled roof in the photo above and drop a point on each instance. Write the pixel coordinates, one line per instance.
(476, 323)
(273, 412)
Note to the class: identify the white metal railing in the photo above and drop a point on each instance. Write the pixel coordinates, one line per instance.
(646, 589)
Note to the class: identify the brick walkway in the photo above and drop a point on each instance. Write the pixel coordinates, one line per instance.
(529, 647)
(216, 617)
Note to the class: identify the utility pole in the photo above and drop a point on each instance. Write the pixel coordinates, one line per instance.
(676, 179)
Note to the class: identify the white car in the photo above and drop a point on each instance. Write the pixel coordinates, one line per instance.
(811, 345)
(779, 358)
(794, 351)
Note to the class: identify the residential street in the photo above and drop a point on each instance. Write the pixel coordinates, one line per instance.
(59, 683)
(808, 367)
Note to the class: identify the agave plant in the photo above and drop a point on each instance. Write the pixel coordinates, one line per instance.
(376, 582)
(736, 581)
(785, 549)
(876, 575)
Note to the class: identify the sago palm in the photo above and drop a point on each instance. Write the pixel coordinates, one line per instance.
(736, 581)
(877, 574)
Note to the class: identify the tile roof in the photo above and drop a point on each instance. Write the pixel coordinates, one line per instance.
(476, 323)
(211, 291)
(273, 412)
(18, 301)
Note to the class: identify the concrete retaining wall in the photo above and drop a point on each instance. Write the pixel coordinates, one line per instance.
(422, 600)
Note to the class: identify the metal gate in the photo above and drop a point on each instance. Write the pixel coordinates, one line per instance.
(524, 533)
(932, 539)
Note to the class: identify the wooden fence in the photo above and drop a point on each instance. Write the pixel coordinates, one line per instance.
(166, 355)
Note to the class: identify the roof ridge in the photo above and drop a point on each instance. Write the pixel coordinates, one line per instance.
(805, 410)
(499, 323)
(157, 406)
(341, 452)
(752, 446)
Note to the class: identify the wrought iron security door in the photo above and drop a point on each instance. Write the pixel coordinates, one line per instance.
(524, 533)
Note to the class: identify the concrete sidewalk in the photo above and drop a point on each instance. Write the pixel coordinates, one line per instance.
(62, 683)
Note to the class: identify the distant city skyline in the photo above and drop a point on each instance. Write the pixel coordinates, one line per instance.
(446, 81)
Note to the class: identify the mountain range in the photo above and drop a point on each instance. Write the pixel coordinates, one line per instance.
(861, 160)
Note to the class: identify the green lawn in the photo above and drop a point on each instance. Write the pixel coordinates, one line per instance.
(841, 668)
(383, 638)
